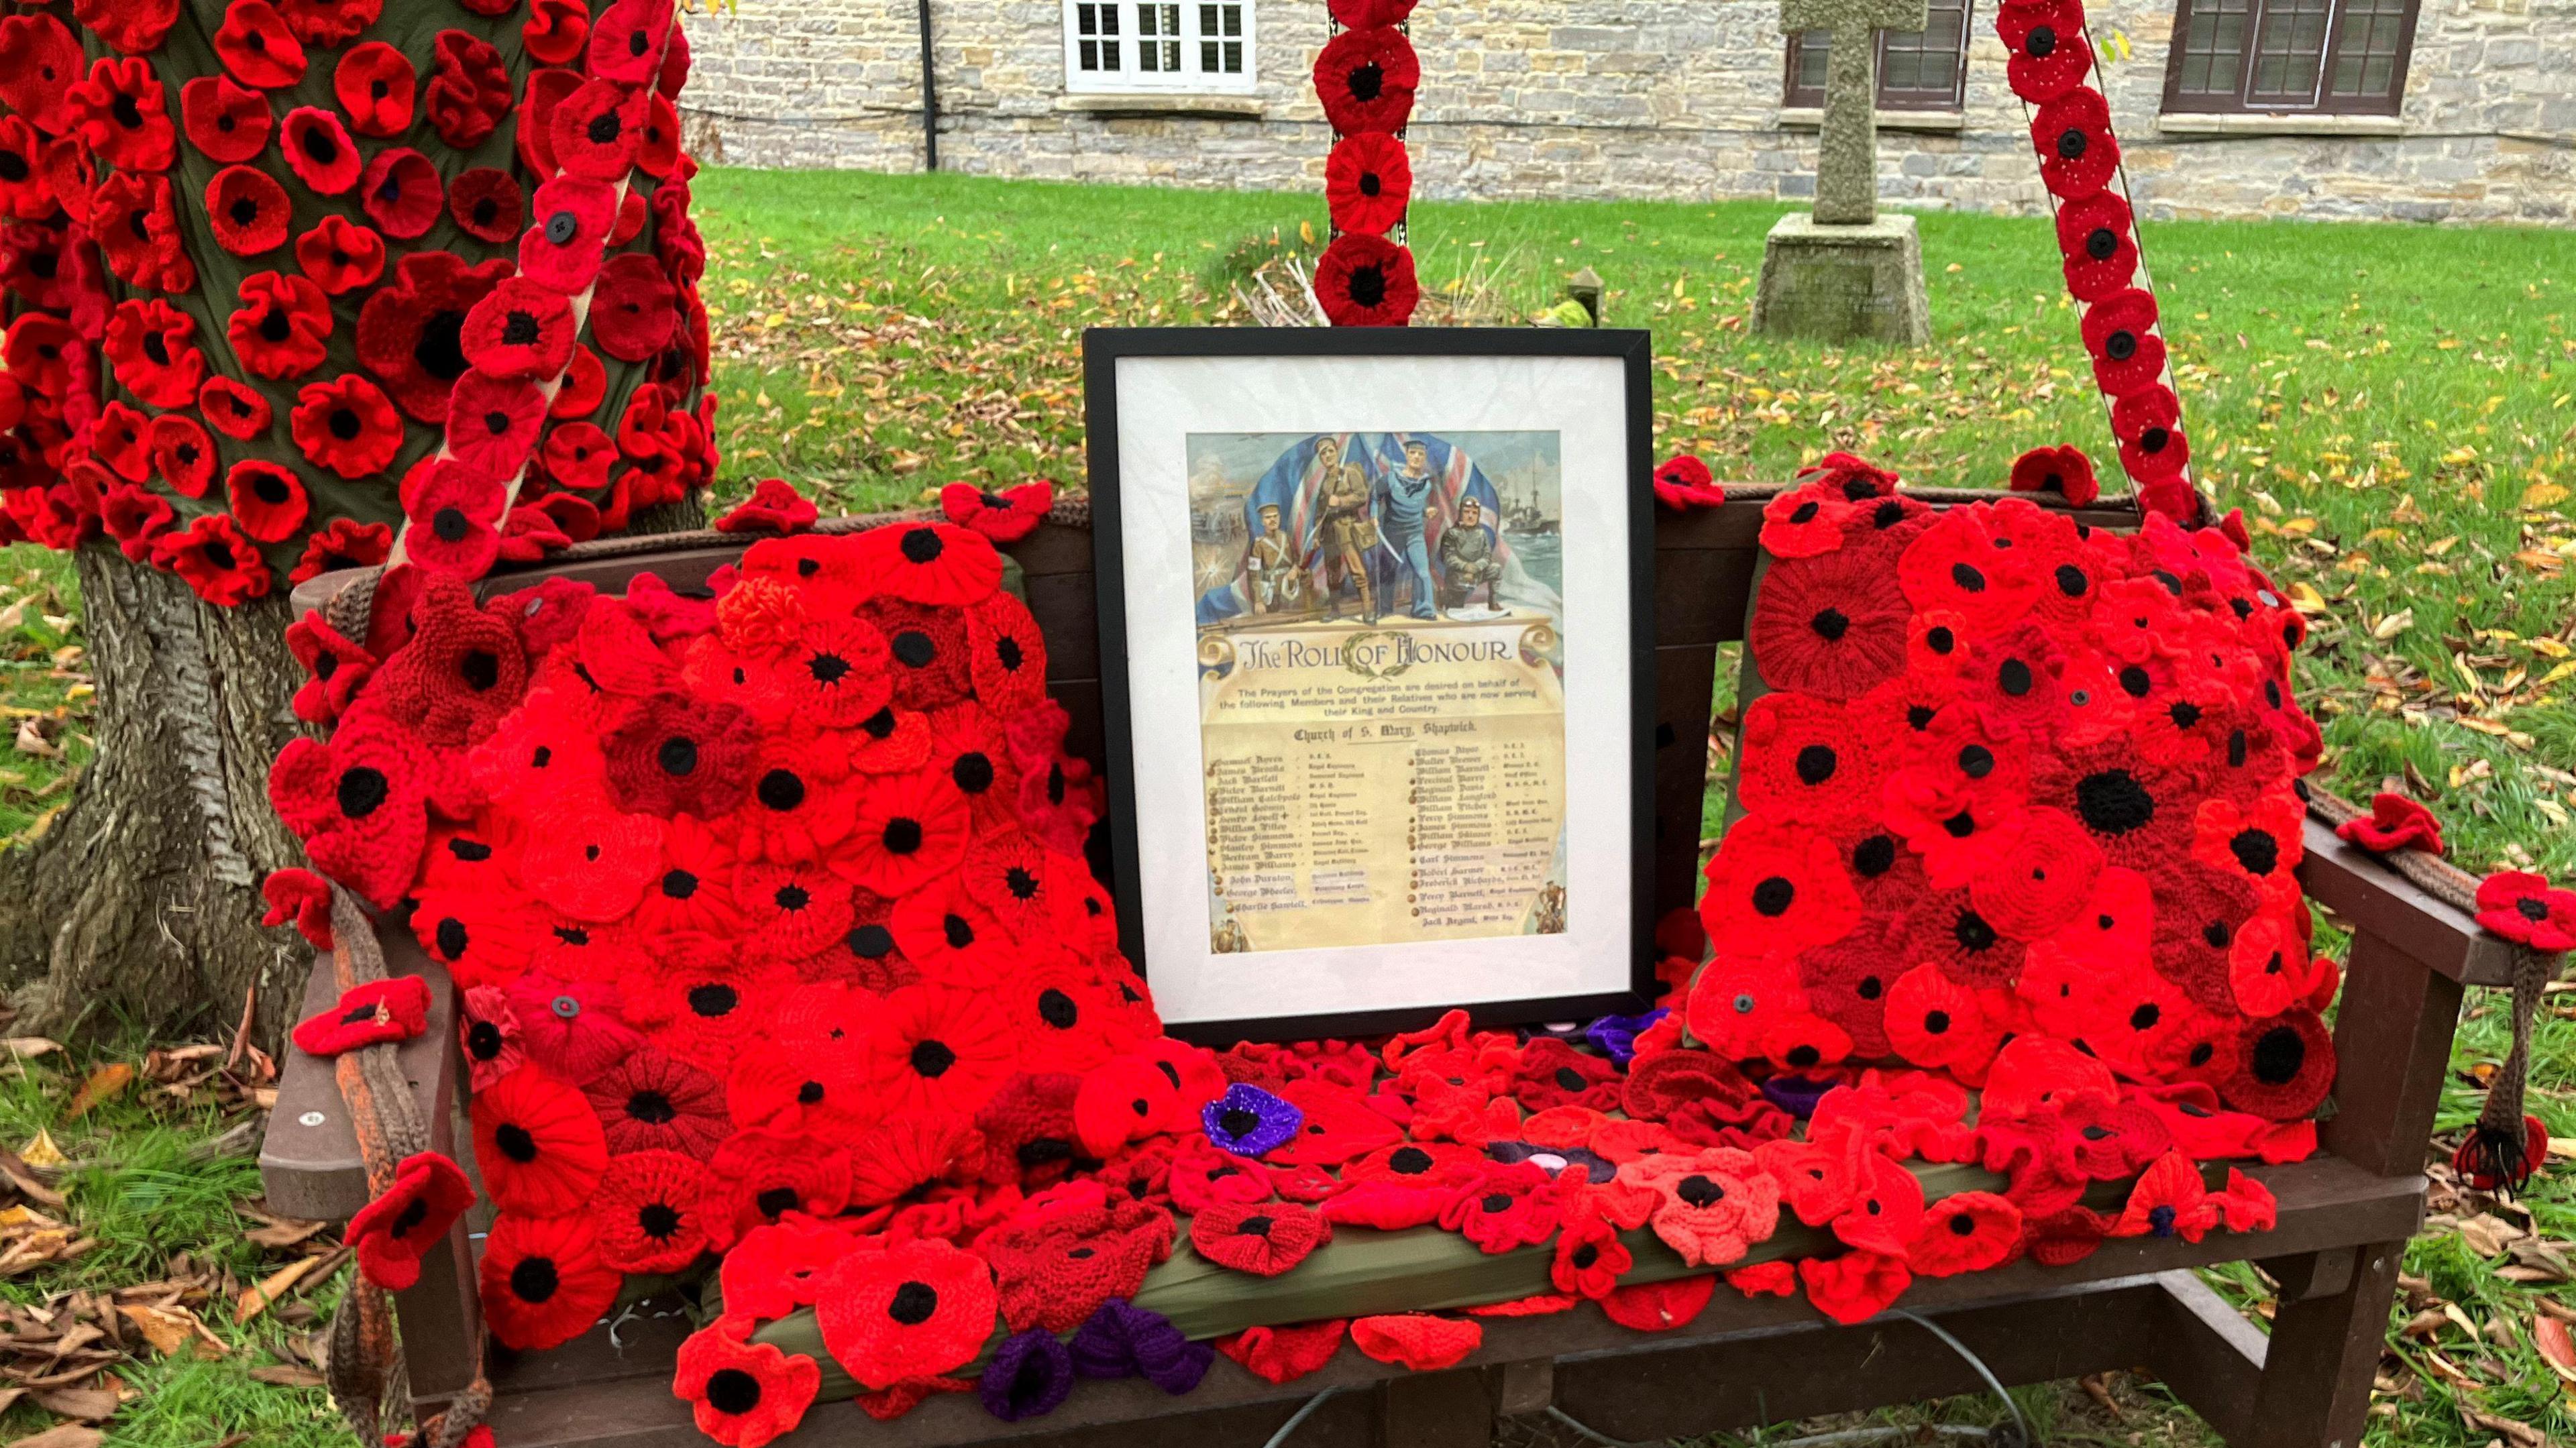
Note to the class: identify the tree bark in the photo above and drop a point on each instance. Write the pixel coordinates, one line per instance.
(141, 904)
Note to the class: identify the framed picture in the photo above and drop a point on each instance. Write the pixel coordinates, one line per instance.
(1377, 673)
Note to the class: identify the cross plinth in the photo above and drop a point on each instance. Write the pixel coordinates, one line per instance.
(1847, 148)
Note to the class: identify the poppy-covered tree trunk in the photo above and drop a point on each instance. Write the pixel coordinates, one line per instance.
(141, 903)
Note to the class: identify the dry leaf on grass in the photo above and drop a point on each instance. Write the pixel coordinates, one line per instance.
(2519, 1435)
(274, 1232)
(2549, 1334)
(168, 1329)
(255, 1300)
(41, 1153)
(104, 1084)
(63, 1435)
(287, 1375)
(90, 1405)
(29, 1185)
(2488, 1235)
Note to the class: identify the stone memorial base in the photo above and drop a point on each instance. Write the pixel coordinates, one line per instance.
(1829, 283)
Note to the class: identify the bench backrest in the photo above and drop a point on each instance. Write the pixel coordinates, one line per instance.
(1704, 567)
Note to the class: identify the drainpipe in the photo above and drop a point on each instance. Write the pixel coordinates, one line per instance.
(929, 97)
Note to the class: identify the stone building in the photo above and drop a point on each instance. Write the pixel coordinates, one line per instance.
(2429, 110)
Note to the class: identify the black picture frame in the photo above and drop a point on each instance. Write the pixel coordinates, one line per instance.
(1102, 349)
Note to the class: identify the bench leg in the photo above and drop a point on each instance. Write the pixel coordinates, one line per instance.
(2323, 1358)
(441, 1323)
(1453, 1409)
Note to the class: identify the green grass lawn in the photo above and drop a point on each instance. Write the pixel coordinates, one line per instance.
(2393, 408)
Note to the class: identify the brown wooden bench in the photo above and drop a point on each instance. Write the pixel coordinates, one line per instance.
(2344, 1216)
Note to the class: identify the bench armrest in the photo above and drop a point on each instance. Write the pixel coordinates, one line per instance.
(308, 1161)
(2369, 898)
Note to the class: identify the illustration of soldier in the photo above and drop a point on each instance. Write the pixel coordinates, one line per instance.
(1408, 507)
(1275, 567)
(1549, 917)
(1467, 560)
(1349, 533)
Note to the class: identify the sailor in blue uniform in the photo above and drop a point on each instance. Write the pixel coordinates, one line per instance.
(1408, 504)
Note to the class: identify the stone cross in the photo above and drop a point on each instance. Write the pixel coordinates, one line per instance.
(1847, 149)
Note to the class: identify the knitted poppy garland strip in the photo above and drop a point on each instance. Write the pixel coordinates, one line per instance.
(1365, 76)
(364, 181)
(2051, 56)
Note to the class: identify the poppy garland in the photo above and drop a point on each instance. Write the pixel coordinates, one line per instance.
(2051, 56)
(777, 948)
(123, 416)
(1365, 76)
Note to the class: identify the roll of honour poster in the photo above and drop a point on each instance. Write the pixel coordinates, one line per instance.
(1380, 653)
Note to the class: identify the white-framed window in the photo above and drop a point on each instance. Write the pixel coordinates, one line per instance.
(1158, 45)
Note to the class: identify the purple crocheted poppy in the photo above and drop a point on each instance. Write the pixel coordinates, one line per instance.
(1030, 1376)
(1123, 1340)
(1796, 1095)
(1616, 1036)
(1249, 1121)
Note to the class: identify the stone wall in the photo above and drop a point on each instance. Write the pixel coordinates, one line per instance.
(1633, 98)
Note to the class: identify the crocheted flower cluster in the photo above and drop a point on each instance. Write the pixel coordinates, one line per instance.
(489, 218)
(2051, 59)
(1365, 76)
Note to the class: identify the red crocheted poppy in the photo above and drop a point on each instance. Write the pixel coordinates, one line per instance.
(2097, 238)
(2199, 912)
(791, 911)
(378, 1012)
(220, 562)
(2050, 53)
(132, 28)
(538, 1144)
(1028, 1130)
(1886, 1208)
(630, 308)
(740, 1393)
(1807, 522)
(594, 130)
(653, 1101)
(2140, 815)
(1933, 1020)
(2077, 153)
(117, 442)
(1711, 1206)
(269, 501)
(462, 671)
(483, 938)
(1779, 885)
(283, 327)
(1848, 477)
(627, 40)
(773, 507)
(329, 22)
(375, 85)
(347, 425)
(1261, 1238)
(1829, 626)
(412, 1218)
(1366, 78)
(759, 1176)
(1856, 1286)
(1508, 1207)
(543, 1281)
(775, 1269)
(492, 423)
(318, 149)
(1964, 565)
(1551, 1073)
(1660, 1306)
(2040, 881)
(566, 231)
(334, 666)
(909, 830)
(118, 113)
(2280, 1068)
(1684, 482)
(401, 192)
(1800, 763)
(255, 44)
(918, 1308)
(1367, 281)
(233, 408)
(487, 205)
(671, 755)
(1847, 983)
(648, 1211)
(136, 225)
(147, 345)
(2119, 333)
(937, 1050)
(1004, 517)
(357, 801)
(590, 863)
(1417, 1341)
(340, 255)
(555, 31)
(1204, 1176)
(2169, 1200)
(1736, 1002)
(469, 91)
(455, 518)
(1006, 654)
(2395, 822)
(928, 648)
(2148, 422)
(912, 1158)
(1285, 1354)
(228, 122)
(1367, 181)
(2521, 906)
(832, 673)
(2064, 472)
(545, 92)
(39, 60)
